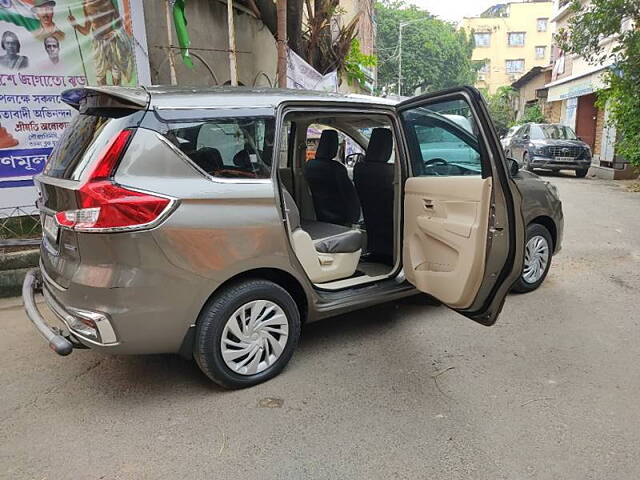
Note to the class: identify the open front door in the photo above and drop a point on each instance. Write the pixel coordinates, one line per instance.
(463, 236)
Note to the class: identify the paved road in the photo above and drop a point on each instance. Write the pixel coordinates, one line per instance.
(405, 390)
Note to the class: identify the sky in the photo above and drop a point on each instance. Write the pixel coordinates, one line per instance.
(454, 10)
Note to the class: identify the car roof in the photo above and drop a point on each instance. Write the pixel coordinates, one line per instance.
(244, 97)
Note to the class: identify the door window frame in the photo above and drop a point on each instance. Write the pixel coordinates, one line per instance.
(401, 164)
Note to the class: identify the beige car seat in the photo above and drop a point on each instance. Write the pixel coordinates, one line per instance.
(326, 251)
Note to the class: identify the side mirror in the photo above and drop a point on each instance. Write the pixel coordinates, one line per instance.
(352, 159)
(513, 165)
(526, 137)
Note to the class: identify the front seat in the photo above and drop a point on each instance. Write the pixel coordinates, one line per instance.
(326, 252)
(334, 197)
(373, 179)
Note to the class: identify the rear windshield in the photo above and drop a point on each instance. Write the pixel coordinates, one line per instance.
(85, 137)
(227, 147)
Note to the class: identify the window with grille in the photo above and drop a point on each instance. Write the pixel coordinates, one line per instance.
(516, 39)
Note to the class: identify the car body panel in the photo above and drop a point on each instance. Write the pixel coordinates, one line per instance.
(154, 283)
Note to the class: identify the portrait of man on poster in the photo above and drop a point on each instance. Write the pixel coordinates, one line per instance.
(52, 47)
(112, 51)
(43, 10)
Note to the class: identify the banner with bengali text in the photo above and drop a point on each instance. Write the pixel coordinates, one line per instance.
(49, 46)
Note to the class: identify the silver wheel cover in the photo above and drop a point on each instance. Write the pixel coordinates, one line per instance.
(254, 337)
(536, 259)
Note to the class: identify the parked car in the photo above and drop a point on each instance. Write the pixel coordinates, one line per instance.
(506, 139)
(182, 221)
(550, 147)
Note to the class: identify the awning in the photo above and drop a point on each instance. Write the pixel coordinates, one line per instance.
(577, 85)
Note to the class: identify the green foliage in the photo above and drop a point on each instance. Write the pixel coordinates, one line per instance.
(501, 108)
(587, 27)
(434, 54)
(354, 61)
(533, 114)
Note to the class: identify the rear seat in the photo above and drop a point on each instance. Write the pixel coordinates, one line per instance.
(326, 251)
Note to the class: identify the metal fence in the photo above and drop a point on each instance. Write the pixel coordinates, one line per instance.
(20, 226)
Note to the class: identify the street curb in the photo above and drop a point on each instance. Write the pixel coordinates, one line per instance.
(13, 268)
(16, 260)
(11, 282)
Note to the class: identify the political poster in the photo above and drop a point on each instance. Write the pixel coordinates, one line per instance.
(46, 47)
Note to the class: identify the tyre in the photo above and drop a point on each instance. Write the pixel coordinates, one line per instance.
(581, 173)
(246, 334)
(525, 162)
(537, 259)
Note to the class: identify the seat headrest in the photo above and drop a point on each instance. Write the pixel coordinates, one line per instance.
(328, 145)
(208, 159)
(380, 146)
(242, 159)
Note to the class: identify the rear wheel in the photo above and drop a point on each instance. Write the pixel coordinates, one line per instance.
(581, 173)
(537, 259)
(247, 333)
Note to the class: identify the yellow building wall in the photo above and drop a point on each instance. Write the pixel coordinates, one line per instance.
(522, 17)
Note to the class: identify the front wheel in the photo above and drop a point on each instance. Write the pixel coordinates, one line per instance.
(581, 173)
(537, 259)
(246, 334)
(526, 163)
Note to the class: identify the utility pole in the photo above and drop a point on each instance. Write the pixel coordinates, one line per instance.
(402, 25)
(282, 43)
(233, 64)
(172, 62)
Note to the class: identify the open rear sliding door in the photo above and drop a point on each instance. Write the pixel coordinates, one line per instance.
(463, 228)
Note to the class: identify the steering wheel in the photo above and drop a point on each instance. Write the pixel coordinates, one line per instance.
(435, 162)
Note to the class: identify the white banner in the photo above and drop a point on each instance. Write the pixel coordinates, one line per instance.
(302, 76)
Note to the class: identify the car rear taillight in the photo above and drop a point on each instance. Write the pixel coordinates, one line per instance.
(106, 206)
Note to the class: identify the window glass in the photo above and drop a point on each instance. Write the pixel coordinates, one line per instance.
(287, 137)
(542, 24)
(515, 66)
(541, 51)
(482, 39)
(83, 140)
(484, 66)
(556, 132)
(227, 147)
(516, 39)
(443, 140)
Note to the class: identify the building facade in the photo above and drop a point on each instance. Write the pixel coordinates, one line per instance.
(510, 39)
(256, 50)
(532, 91)
(573, 92)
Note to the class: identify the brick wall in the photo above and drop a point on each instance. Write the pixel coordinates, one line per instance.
(553, 111)
(597, 148)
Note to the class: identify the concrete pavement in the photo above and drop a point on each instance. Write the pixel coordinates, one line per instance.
(406, 390)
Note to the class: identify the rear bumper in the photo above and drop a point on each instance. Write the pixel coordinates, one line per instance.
(58, 342)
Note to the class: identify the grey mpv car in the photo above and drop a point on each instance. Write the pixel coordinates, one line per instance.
(191, 222)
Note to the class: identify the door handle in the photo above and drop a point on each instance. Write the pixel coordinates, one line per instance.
(428, 204)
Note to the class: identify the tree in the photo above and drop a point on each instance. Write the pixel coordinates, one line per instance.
(309, 33)
(501, 108)
(533, 114)
(587, 27)
(434, 54)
